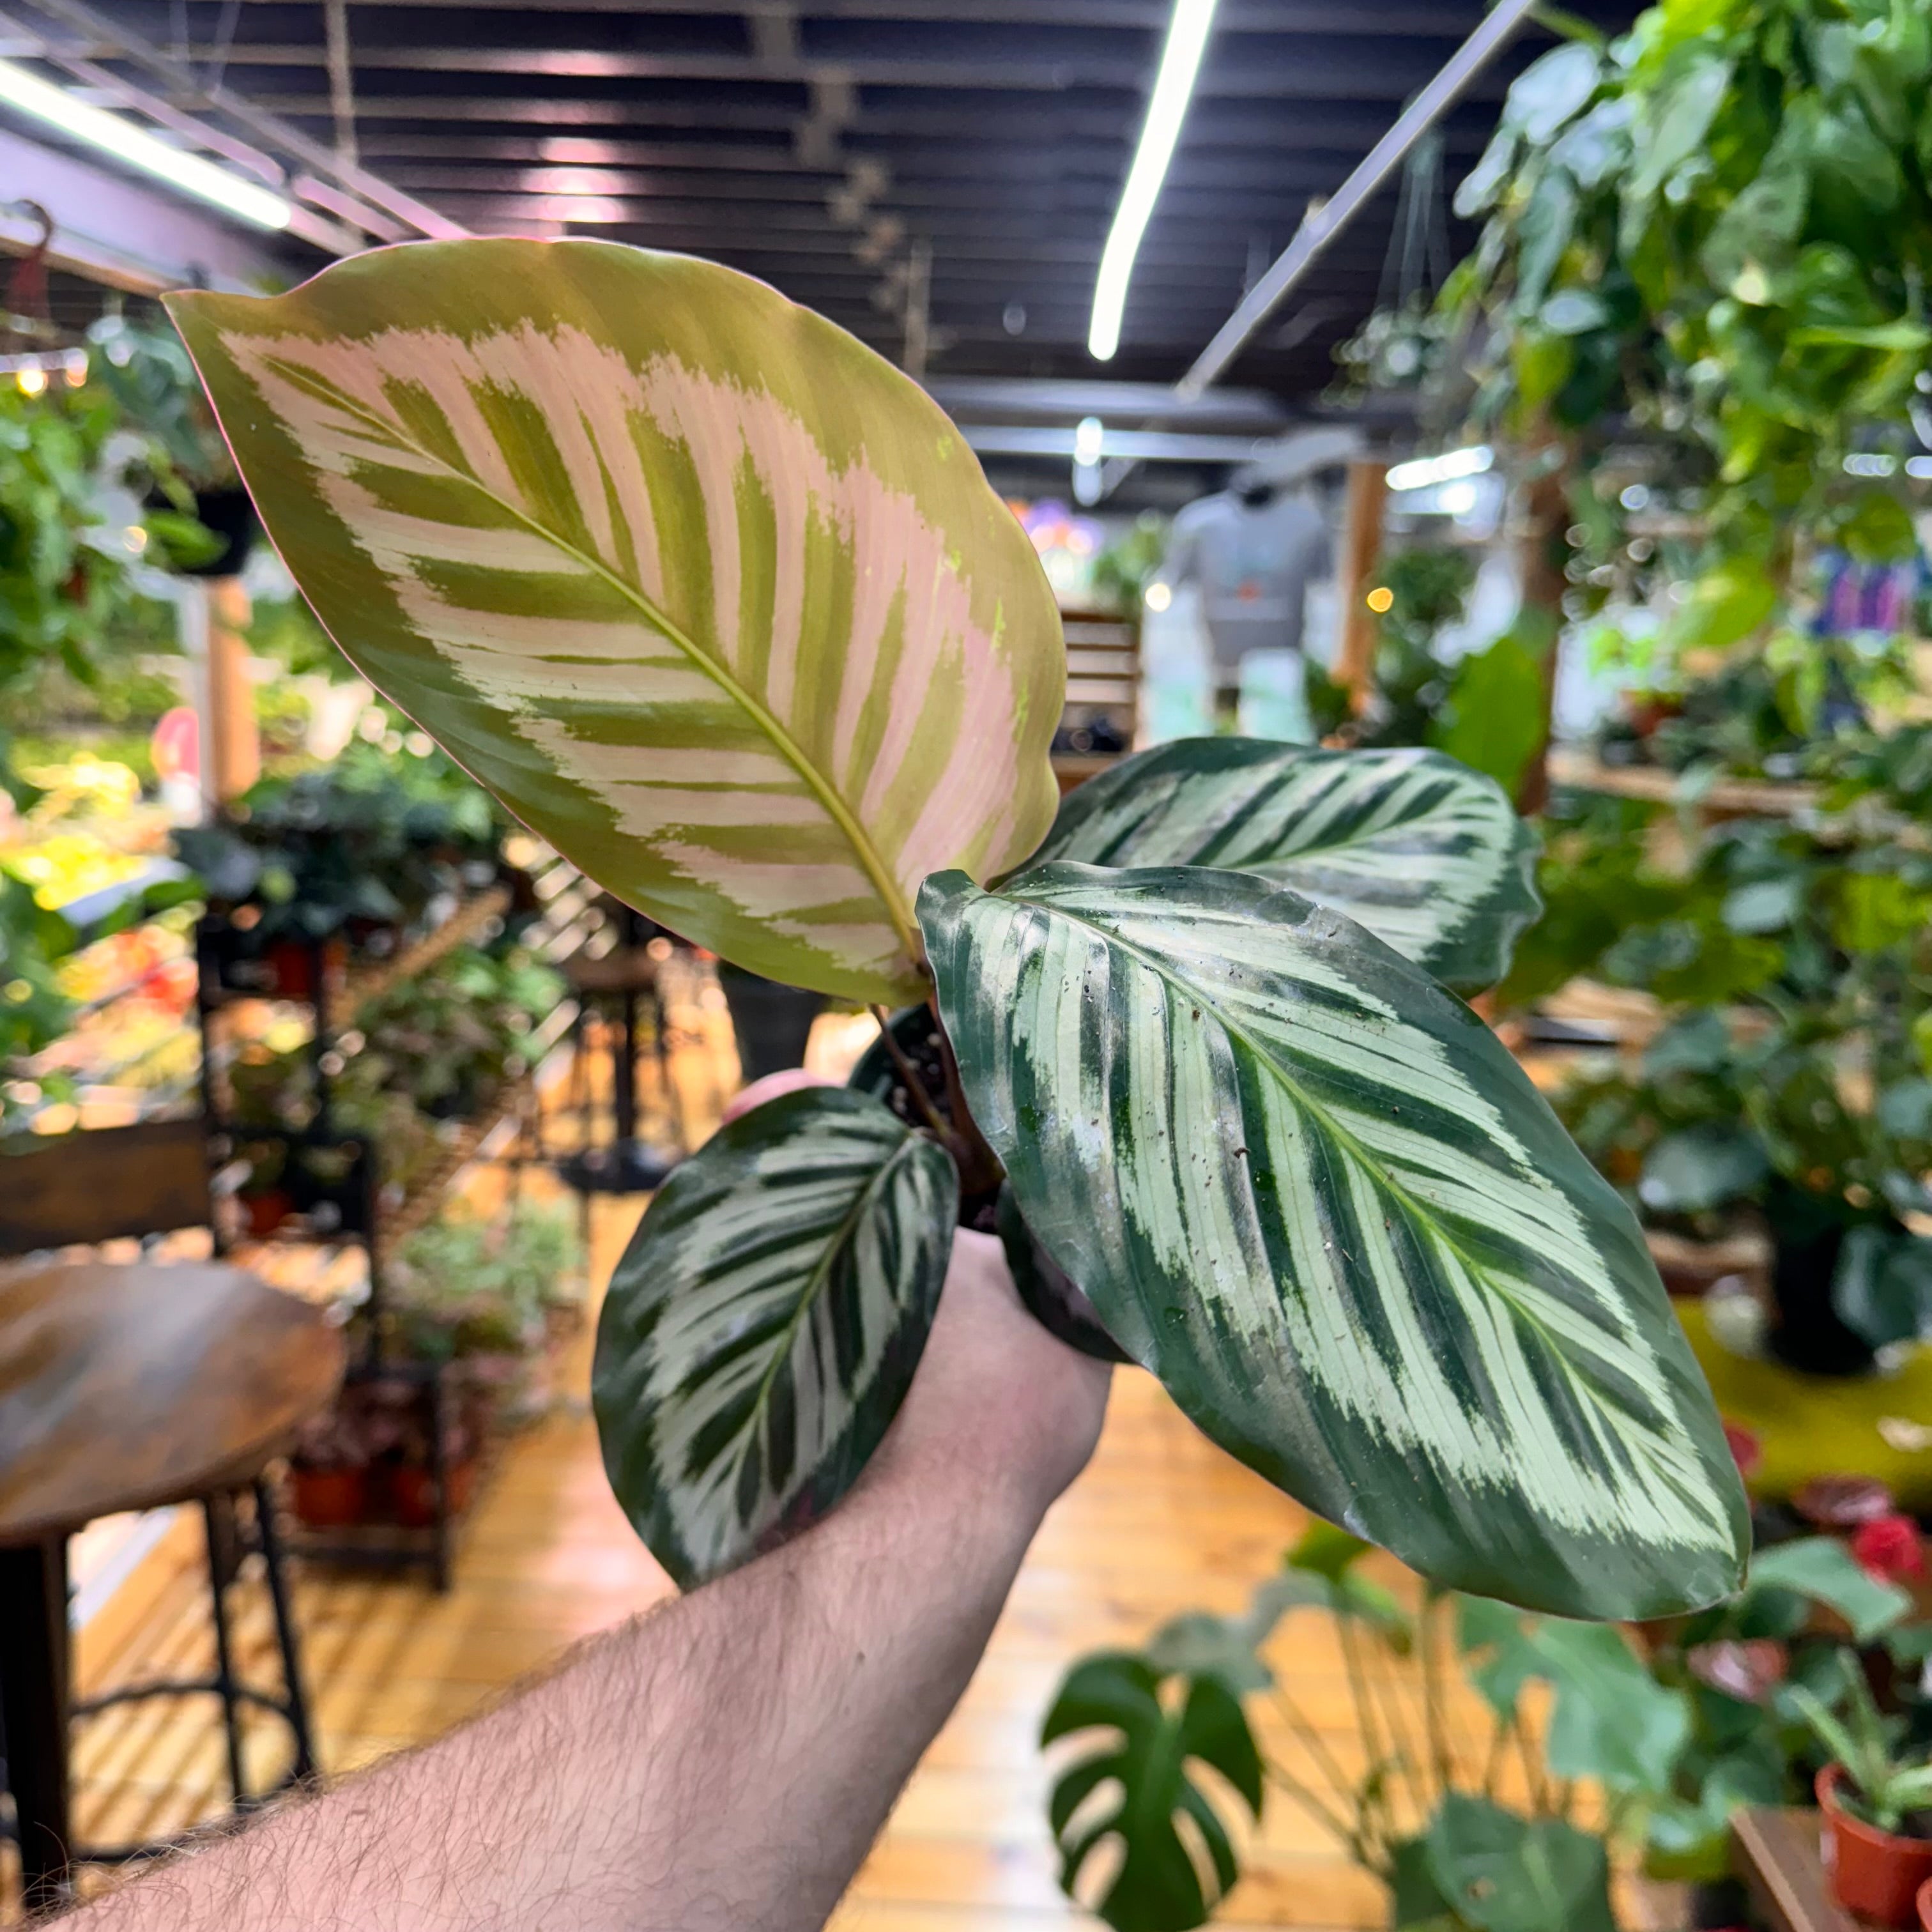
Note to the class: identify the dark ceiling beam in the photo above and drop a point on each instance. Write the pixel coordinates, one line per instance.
(1072, 195)
(1385, 74)
(1236, 129)
(978, 159)
(1256, 16)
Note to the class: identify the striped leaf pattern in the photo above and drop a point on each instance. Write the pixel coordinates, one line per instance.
(709, 595)
(763, 1326)
(1313, 1193)
(1430, 855)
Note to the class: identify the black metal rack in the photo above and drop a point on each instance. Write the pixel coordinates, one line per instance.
(336, 1193)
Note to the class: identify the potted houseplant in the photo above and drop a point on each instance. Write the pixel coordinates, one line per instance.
(1877, 1804)
(720, 604)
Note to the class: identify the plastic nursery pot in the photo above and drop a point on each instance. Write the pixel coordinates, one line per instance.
(412, 1491)
(1873, 1873)
(329, 1499)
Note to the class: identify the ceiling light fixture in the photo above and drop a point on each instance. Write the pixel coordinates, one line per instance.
(129, 142)
(1173, 88)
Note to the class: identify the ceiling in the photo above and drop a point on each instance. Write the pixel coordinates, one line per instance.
(857, 152)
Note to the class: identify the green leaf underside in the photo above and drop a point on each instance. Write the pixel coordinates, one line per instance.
(764, 1324)
(1316, 1196)
(710, 596)
(1159, 1887)
(1430, 855)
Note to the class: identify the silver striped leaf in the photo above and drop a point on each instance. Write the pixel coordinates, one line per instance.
(708, 594)
(763, 1326)
(1312, 1191)
(1427, 854)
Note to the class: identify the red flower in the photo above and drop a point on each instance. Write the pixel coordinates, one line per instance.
(1747, 1451)
(1889, 1548)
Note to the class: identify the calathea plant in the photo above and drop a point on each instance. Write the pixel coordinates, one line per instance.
(720, 604)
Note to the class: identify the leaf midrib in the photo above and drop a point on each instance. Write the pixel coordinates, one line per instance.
(788, 1332)
(870, 860)
(1305, 1100)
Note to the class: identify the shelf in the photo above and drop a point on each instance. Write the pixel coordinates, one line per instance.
(1652, 785)
(396, 1224)
(365, 983)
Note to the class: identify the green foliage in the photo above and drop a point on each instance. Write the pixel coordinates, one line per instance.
(1886, 1788)
(468, 1285)
(1719, 226)
(1158, 1888)
(68, 587)
(34, 1012)
(1495, 720)
(372, 837)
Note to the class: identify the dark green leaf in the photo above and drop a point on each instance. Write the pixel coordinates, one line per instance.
(1317, 1197)
(1702, 1167)
(1430, 856)
(1158, 1887)
(763, 1326)
(1505, 1875)
(1821, 1568)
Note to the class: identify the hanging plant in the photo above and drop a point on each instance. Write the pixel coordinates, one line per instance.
(1717, 231)
(721, 604)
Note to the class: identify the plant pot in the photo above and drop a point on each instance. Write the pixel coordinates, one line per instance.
(1873, 1873)
(267, 1212)
(773, 1022)
(413, 1490)
(329, 1499)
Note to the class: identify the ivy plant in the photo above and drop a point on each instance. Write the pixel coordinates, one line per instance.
(1718, 228)
(719, 603)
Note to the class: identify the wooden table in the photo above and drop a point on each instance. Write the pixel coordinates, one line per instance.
(1775, 1852)
(122, 1388)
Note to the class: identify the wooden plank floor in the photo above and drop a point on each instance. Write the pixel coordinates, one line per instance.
(1161, 1522)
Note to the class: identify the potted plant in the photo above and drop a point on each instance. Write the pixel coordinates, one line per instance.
(719, 603)
(1877, 1805)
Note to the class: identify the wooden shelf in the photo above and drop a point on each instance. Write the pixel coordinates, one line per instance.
(1652, 785)
(396, 1224)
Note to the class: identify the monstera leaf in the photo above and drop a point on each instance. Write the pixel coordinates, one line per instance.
(710, 596)
(764, 1324)
(1316, 1196)
(1158, 1888)
(1430, 855)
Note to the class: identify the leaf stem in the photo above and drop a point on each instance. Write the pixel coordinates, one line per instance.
(980, 1170)
(915, 1086)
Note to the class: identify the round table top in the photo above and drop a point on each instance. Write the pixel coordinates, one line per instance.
(124, 1387)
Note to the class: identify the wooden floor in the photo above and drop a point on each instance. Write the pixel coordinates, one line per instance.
(1161, 1522)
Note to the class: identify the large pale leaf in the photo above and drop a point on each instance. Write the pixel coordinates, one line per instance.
(1427, 854)
(1313, 1193)
(764, 1324)
(705, 591)
(1141, 1787)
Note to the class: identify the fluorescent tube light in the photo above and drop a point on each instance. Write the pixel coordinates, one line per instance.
(1448, 468)
(1173, 88)
(126, 142)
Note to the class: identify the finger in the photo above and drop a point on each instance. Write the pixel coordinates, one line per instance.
(773, 1086)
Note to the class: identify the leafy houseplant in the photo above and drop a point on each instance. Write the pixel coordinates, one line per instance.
(1877, 1806)
(1660, 1742)
(720, 604)
(1715, 230)
(1436, 1828)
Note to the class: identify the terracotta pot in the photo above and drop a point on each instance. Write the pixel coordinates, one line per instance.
(267, 1212)
(412, 1491)
(330, 1498)
(1874, 1874)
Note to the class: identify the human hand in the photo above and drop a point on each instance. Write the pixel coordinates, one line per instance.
(997, 1401)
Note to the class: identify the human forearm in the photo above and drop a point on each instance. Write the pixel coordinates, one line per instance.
(721, 1764)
